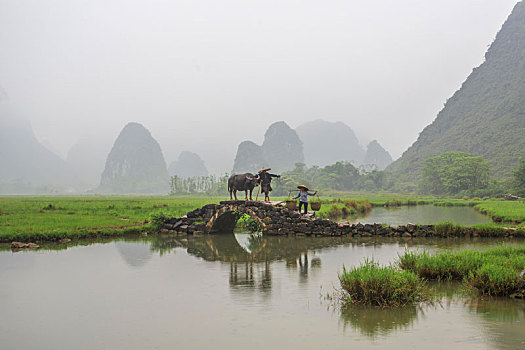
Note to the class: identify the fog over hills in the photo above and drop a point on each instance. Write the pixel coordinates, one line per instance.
(327, 143)
(486, 116)
(376, 156)
(188, 164)
(26, 165)
(221, 73)
(87, 158)
(317, 143)
(249, 158)
(205, 75)
(280, 150)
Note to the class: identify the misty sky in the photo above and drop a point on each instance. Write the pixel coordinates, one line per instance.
(204, 75)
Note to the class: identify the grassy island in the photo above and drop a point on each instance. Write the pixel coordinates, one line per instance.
(383, 286)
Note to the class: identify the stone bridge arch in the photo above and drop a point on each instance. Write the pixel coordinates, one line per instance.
(274, 219)
(224, 219)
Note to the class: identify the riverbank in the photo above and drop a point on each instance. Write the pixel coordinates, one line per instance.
(51, 218)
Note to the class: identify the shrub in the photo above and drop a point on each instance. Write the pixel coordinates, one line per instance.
(248, 223)
(158, 219)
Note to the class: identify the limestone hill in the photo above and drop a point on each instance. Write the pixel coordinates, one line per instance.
(327, 143)
(135, 164)
(280, 150)
(376, 156)
(486, 116)
(188, 164)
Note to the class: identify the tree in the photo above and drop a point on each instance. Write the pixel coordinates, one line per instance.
(454, 173)
(519, 178)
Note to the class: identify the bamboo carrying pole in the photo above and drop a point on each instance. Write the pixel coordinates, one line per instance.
(258, 190)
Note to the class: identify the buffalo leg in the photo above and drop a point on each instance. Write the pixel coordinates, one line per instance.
(235, 194)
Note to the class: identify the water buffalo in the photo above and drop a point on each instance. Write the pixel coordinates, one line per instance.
(242, 182)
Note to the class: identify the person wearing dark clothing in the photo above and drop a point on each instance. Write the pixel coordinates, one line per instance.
(303, 194)
(265, 179)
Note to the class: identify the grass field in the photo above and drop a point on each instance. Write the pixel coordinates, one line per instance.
(503, 211)
(53, 218)
(56, 217)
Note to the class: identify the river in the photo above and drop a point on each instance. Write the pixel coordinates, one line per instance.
(232, 292)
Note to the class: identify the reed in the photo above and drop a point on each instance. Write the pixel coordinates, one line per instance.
(383, 286)
(493, 272)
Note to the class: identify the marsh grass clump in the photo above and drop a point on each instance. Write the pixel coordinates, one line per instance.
(393, 203)
(494, 272)
(358, 206)
(334, 211)
(495, 280)
(445, 266)
(383, 286)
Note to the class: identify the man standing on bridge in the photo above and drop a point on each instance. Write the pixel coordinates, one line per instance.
(265, 179)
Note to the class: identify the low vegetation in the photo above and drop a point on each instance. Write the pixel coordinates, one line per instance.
(57, 217)
(497, 272)
(54, 218)
(503, 211)
(383, 286)
(493, 272)
(246, 223)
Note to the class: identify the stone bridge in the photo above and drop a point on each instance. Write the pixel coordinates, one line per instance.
(275, 219)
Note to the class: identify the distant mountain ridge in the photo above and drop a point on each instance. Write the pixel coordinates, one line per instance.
(486, 116)
(317, 143)
(280, 150)
(188, 164)
(26, 164)
(327, 143)
(377, 156)
(87, 157)
(135, 164)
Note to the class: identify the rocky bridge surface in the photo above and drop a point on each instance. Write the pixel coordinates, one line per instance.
(275, 219)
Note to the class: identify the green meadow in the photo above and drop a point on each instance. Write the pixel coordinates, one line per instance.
(53, 218)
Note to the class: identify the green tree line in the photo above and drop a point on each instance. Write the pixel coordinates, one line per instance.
(450, 173)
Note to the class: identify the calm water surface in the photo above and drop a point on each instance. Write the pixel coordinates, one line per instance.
(210, 293)
(423, 214)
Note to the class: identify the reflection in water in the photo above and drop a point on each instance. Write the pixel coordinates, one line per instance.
(423, 214)
(243, 276)
(375, 322)
(273, 287)
(225, 247)
(134, 254)
(504, 321)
